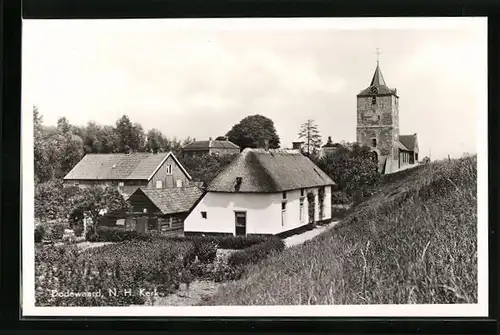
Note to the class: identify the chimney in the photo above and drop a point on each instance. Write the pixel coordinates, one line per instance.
(237, 184)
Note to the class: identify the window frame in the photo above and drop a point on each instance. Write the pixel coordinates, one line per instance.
(169, 169)
(161, 184)
(204, 215)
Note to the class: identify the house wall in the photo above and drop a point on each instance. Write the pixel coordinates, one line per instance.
(263, 212)
(169, 181)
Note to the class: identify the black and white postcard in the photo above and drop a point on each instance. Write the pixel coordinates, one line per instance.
(255, 167)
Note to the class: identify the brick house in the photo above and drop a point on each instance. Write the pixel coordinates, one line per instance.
(128, 172)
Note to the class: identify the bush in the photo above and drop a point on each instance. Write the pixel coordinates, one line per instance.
(256, 252)
(340, 198)
(217, 271)
(111, 234)
(225, 242)
(39, 233)
(206, 251)
(58, 230)
(133, 265)
(78, 229)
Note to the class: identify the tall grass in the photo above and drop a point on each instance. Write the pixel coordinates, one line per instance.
(414, 243)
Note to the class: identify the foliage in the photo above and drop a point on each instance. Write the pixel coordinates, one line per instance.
(225, 242)
(352, 168)
(256, 252)
(414, 242)
(39, 233)
(340, 198)
(52, 200)
(218, 271)
(309, 133)
(113, 234)
(252, 130)
(205, 167)
(130, 136)
(134, 266)
(96, 201)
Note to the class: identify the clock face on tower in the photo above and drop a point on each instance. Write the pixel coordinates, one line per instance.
(373, 90)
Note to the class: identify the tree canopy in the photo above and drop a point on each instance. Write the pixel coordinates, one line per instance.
(309, 133)
(252, 132)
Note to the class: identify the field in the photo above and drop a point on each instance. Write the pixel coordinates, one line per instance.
(413, 241)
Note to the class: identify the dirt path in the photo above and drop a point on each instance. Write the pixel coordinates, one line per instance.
(301, 238)
(189, 297)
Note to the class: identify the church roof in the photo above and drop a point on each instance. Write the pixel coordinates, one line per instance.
(377, 85)
(408, 141)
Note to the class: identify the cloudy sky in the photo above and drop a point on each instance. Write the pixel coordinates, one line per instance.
(199, 77)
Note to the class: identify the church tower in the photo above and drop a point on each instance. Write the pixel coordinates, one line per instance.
(378, 122)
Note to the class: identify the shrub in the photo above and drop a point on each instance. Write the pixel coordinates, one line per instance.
(112, 234)
(78, 229)
(225, 242)
(39, 233)
(340, 198)
(134, 265)
(206, 251)
(256, 252)
(217, 271)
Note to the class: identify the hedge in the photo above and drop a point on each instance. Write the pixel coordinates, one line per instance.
(256, 253)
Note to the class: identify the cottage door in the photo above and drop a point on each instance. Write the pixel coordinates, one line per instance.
(241, 223)
(142, 224)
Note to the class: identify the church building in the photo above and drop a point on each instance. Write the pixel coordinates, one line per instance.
(378, 127)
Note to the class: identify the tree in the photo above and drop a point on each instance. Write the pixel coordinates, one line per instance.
(52, 200)
(96, 201)
(156, 142)
(204, 168)
(352, 168)
(130, 136)
(252, 131)
(309, 133)
(43, 169)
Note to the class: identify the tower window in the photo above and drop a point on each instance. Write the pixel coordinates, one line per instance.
(374, 142)
(374, 100)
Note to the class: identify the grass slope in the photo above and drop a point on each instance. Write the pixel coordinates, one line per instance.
(414, 241)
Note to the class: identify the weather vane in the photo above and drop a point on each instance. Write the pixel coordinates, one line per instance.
(378, 54)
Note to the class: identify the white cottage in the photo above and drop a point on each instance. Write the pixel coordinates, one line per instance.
(263, 192)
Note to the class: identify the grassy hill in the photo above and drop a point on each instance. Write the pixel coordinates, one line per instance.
(414, 241)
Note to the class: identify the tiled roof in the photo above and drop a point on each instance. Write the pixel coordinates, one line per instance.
(378, 84)
(400, 145)
(210, 144)
(273, 170)
(133, 166)
(409, 141)
(173, 200)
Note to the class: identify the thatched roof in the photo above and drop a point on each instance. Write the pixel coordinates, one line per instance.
(268, 171)
(172, 200)
(210, 144)
(133, 166)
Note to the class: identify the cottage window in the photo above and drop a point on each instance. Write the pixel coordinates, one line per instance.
(301, 192)
(179, 183)
(144, 210)
(159, 184)
(301, 210)
(204, 215)
(121, 184)
(77, 184)
(169, 169)
(374, 100)
(374, 142)
(284, 195)
(283, 213)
